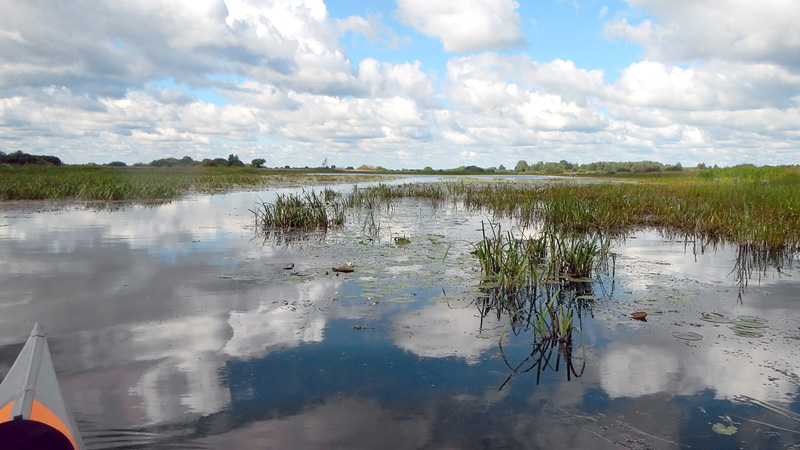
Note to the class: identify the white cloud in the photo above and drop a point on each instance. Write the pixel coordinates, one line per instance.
(389, 80)
(716, 85)
(672, 368)
(511, 99)
(139, 81)
(467, 25)
(439, 331)
(689, 30)
(372, 28)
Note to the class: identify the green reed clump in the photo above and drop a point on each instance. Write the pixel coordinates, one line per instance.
(573, 256)
(306, 210)
(507, 261)
(383, 195)
(517, 264)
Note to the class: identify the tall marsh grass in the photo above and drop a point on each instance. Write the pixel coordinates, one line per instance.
(746, 212)
(89, 183)
(306, 210)
(119, 183)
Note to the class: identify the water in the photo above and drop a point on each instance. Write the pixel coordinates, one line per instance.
(178, 326)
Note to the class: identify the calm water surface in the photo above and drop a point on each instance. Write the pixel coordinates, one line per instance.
(179, 326)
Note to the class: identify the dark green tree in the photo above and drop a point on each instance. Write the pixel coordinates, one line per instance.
(234, 161)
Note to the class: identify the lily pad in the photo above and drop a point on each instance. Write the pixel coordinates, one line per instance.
(747, 324)
(639, 315)
(580, 279)
(721, 428)
(645, 301)
(715, 318)
(401, 300)
(748, 334)
(752, 319)
(687, 336)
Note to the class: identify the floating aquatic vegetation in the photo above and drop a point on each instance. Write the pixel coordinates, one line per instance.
(687, 336)
(639, 315)
(645, 301)
(726, 427)
(749, 326)
(744, 326)
(401, 240)
(714, 318)
(726, 430)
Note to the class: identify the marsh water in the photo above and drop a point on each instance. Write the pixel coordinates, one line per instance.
(182, 325)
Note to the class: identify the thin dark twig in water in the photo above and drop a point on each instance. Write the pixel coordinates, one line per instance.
(776, 409)
(601, 436)
(632, 428)
(772, 426)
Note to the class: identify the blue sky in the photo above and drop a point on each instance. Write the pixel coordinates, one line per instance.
(553, 30)
(402, 84)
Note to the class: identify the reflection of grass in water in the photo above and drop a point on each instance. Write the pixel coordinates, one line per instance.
(752, 258)
(549, 319)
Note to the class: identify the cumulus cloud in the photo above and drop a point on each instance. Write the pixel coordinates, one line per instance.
(688, 30)
(465, 26)
(513, 100)
(372, 28)
(717, 85)
(441, 332)
(137, 81)
(109, 47)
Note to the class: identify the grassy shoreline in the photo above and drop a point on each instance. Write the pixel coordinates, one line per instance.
(738, 205)
(103, 183)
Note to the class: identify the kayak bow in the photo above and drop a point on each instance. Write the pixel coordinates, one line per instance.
(32, 410)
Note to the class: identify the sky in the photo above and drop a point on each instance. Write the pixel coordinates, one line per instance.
(402, 84)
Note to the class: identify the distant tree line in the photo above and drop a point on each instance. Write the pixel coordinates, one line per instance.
(609, 167)
(232, 161)
(20, 158)
(541, 167)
